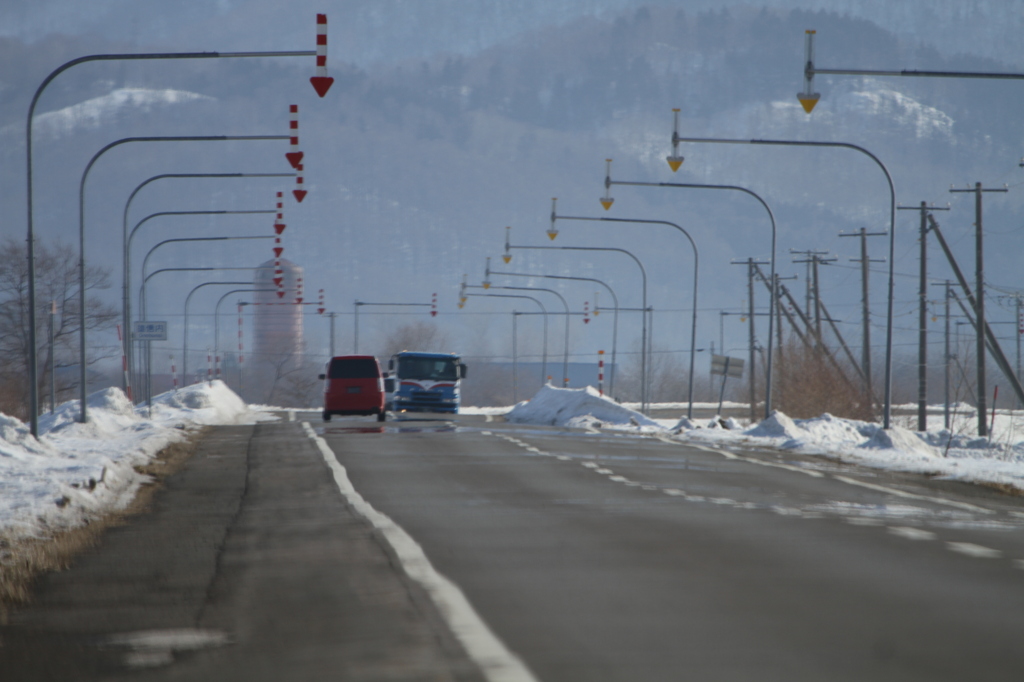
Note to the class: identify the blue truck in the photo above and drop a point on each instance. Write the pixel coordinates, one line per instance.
(424, 382)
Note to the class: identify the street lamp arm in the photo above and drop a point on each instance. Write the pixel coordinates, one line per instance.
(887, 410)
(544, 313)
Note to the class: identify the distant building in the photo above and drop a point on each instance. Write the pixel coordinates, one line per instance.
(277, 328)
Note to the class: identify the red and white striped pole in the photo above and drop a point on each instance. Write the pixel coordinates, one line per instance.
(321, 81)
(124, 361)
(299, 191)
(600, 372)
(294, 156)
(298, 291)
(433, 306)
(174, 375)
(320, 310)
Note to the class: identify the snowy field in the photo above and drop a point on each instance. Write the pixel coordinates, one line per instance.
(77, 471)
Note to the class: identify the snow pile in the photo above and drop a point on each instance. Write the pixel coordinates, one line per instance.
(76, 471)
(576, 407)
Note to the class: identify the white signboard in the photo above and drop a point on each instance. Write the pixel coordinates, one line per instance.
(150, 331)
(730, 367)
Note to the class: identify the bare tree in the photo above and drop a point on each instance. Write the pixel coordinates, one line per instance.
(420, 336)
(57, 282)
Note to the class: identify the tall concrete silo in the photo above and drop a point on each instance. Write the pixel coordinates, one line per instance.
(277, 328)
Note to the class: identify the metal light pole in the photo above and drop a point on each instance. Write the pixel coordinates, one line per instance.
(696, 267)
(643, 275)
(607, 201)
(565, 353)
(216, 317)
(126, 303)
(33, 367)
(83, 380)
(675, 160)
(615, 299)
(184, 370)
(544, 312)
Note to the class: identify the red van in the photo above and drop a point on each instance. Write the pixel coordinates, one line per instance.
(353, 385)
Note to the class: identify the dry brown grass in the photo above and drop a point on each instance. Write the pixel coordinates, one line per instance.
(806, 385)
(23, 561)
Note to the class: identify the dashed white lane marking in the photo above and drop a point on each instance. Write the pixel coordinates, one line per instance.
(906, 532)
(1018, 563)
(749, 460)
(914, 496)
(911, 533)
(973, 550)
(488, 418)
(496, 661)
(291, 415)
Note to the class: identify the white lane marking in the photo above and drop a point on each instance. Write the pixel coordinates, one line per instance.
(488, 418)
(1018, 563)
(564, 458)
(496, 661)
(487, 433)
(914, 496)
(606, 472)
(590, 465)
(864, 521)
(619, 479)
(291, 415)
(674, 492)
(750, 460)
(911, 533)
(973, 550)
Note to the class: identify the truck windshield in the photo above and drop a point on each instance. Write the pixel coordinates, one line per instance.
(435, 369)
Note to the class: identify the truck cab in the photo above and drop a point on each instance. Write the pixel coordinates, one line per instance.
(426, 382)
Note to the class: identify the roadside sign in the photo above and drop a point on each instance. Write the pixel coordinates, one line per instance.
(150, 331)
(726, 366)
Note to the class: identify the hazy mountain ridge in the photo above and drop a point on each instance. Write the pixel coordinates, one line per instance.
(414, 168)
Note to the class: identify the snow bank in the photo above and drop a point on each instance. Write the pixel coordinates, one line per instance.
(75, 471)
(937, 453)
(576, 407)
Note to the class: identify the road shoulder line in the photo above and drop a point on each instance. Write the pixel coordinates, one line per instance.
(496, 661)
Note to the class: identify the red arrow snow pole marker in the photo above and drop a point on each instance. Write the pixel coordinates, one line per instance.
(321, 81)
(294, 156)
(299, 192)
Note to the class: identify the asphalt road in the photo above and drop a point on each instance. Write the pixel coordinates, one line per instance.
(589, 555)
(608, 557)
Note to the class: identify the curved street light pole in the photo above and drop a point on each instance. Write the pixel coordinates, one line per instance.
(675, 160)
(607, 201)
(184, 354)
(216, 316)
(131, 237)
(615, 299)
(565, 352)
(696, 266)
(126, 309)
(643, 318)
(544, 314)
(83, 379)
(33, 365)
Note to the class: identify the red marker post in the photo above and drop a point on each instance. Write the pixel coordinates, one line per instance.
(321, 81)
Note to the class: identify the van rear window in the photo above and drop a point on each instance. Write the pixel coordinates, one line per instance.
(356, 368)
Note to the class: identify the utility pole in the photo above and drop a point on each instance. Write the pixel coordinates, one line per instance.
(865, 354)
(813, 258)
(922, 314)
(947, 294)
(979, 293)
(751, 263)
